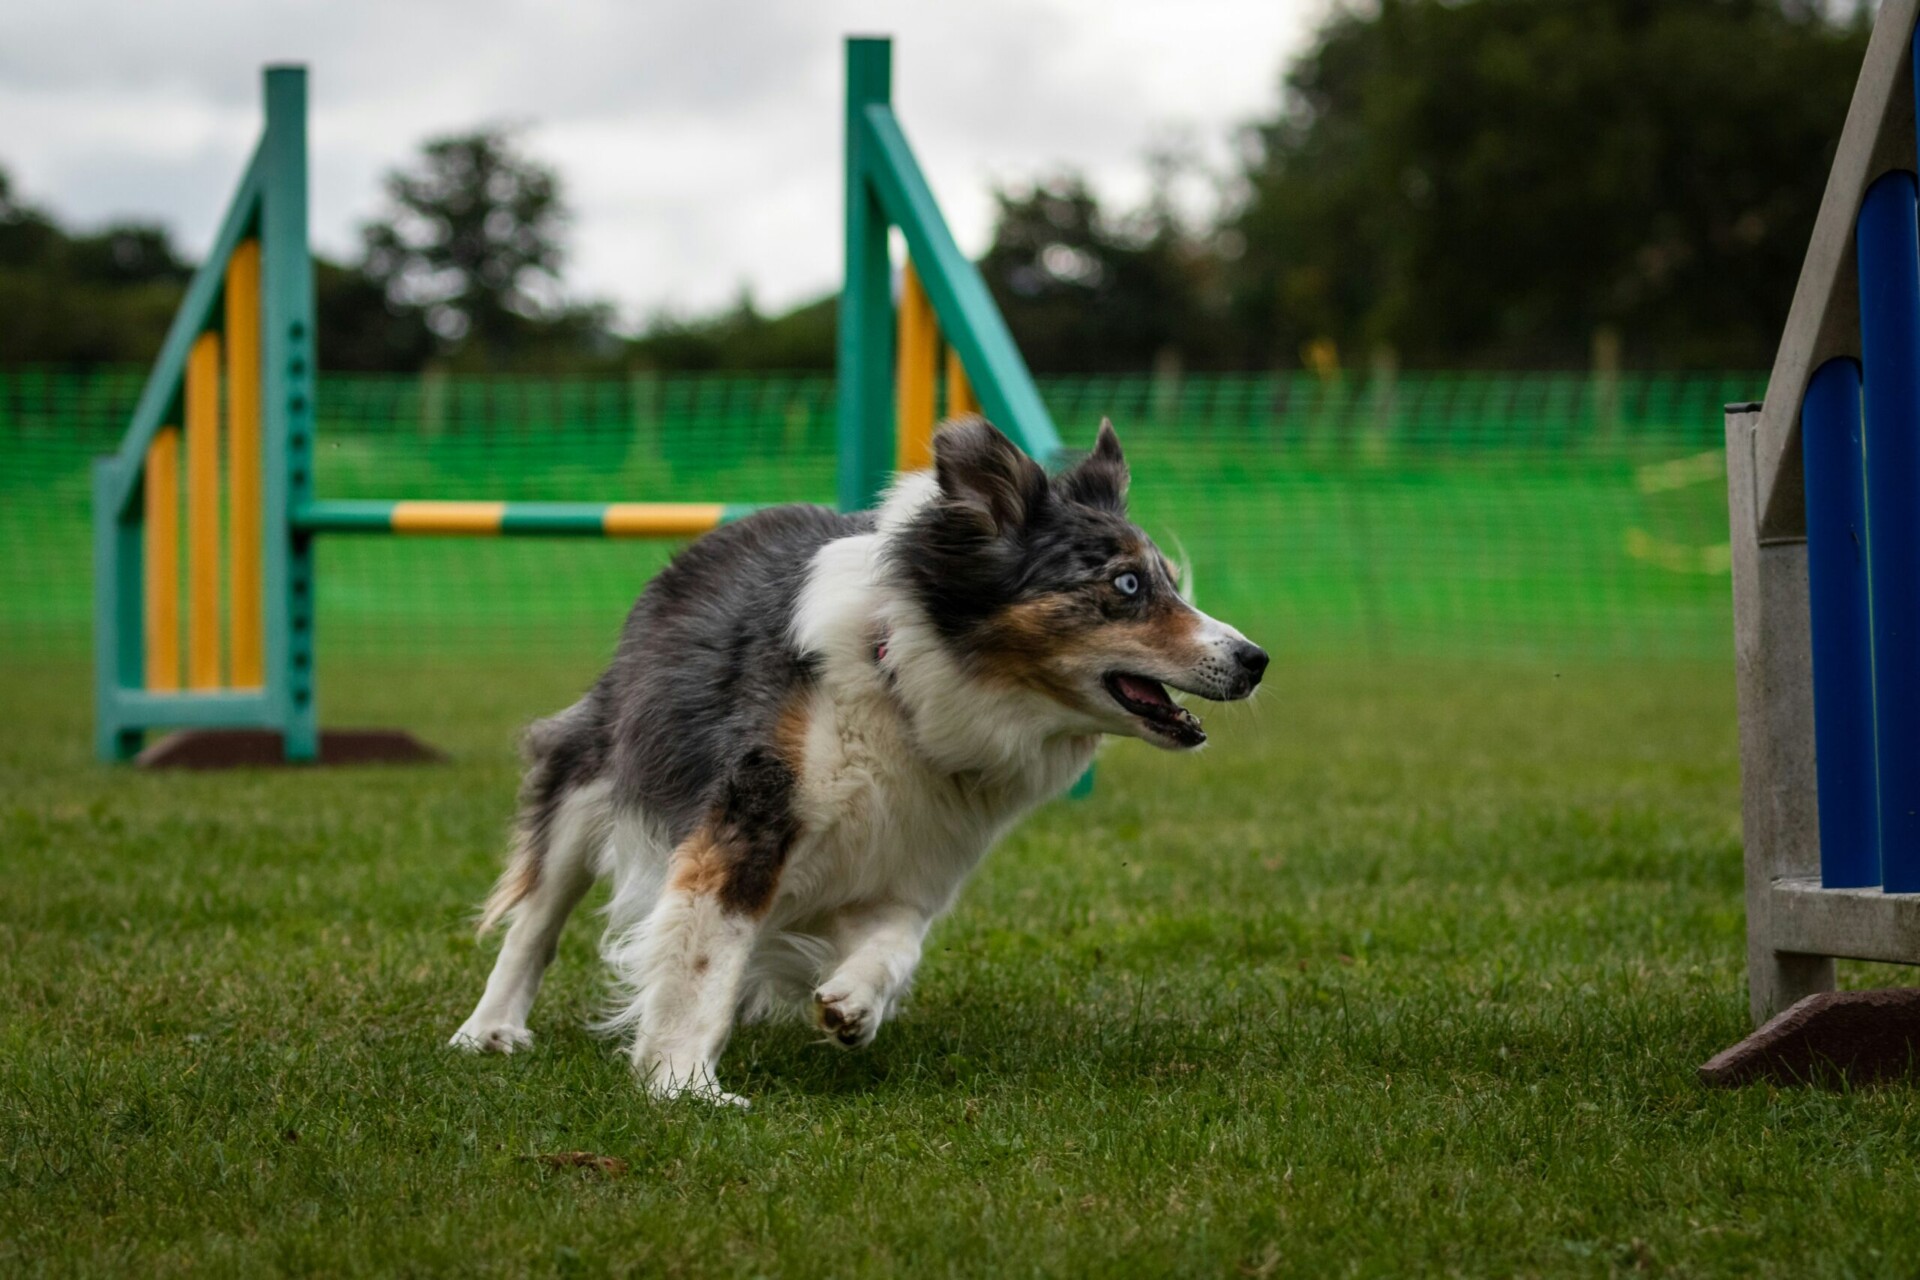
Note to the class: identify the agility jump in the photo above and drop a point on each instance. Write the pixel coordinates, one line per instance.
(1824, 497)
(247, 325)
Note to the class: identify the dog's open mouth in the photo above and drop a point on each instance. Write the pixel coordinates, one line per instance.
(1147, 701)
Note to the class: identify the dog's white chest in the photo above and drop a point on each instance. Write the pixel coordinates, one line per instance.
(910, 767)
(877, 822)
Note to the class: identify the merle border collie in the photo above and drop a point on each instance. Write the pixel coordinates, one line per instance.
(814, 728)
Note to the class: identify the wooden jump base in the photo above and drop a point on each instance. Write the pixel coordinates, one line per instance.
(1826, 602)
(1842, 1038)
(243, 681)
(265, 749)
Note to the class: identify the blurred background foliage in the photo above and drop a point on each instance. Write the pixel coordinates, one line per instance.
(1439, 184)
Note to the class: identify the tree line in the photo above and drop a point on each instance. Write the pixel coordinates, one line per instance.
(1439, 183)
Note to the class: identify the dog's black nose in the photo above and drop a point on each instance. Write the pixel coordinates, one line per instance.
(1252, 659)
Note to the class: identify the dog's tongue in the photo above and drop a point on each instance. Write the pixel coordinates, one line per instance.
(1146, 691)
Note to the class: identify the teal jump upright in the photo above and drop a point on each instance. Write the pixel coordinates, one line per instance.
(270, 208)
(289, 364)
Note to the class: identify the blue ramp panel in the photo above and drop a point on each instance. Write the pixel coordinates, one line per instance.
(1888, 237)
(1842, 645)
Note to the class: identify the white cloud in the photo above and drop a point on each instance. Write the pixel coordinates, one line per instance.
(699, 140)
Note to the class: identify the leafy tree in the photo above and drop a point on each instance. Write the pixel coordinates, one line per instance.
(87, 298)
(108, 297)
(471, 239)
(743, 338)
(1085, 291)
(1471, 182)
(1490, 182)
(360, 329)
(27, 236)
(127, 254)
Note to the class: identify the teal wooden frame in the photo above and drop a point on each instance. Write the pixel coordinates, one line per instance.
(270, 203)
(288, 365)
(885, 189)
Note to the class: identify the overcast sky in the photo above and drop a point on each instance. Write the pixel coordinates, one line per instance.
(698, 140)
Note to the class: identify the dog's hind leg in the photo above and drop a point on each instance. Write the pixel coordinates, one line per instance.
(686, 963)
(565, 872)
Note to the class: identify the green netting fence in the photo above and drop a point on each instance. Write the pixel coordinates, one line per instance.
(1529, 516)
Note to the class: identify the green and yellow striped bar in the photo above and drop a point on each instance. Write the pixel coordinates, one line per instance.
(522, 519)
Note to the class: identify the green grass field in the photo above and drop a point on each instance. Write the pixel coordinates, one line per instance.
(1407, 974)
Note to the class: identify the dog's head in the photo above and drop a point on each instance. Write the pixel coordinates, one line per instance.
(1045, 584)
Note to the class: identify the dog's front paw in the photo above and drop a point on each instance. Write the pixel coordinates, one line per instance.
(494, 1038)
(851, 1017)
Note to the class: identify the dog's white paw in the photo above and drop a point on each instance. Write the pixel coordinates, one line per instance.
(851, 1017)
(477, 1037)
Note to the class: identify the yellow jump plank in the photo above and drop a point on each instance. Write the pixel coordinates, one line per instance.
(660, 519)
(160, 561)
(960, 398)
(203, 513)
(246, 619)
(447, 517)
(918, 356)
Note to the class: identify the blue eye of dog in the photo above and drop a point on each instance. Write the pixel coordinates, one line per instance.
(1127, 584)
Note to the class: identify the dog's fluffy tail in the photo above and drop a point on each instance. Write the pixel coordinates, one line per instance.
(561, 752)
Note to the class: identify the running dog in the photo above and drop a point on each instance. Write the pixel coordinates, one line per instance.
(815, 727)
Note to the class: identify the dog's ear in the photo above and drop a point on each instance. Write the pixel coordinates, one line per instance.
(985, 473)
(1101, 479)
